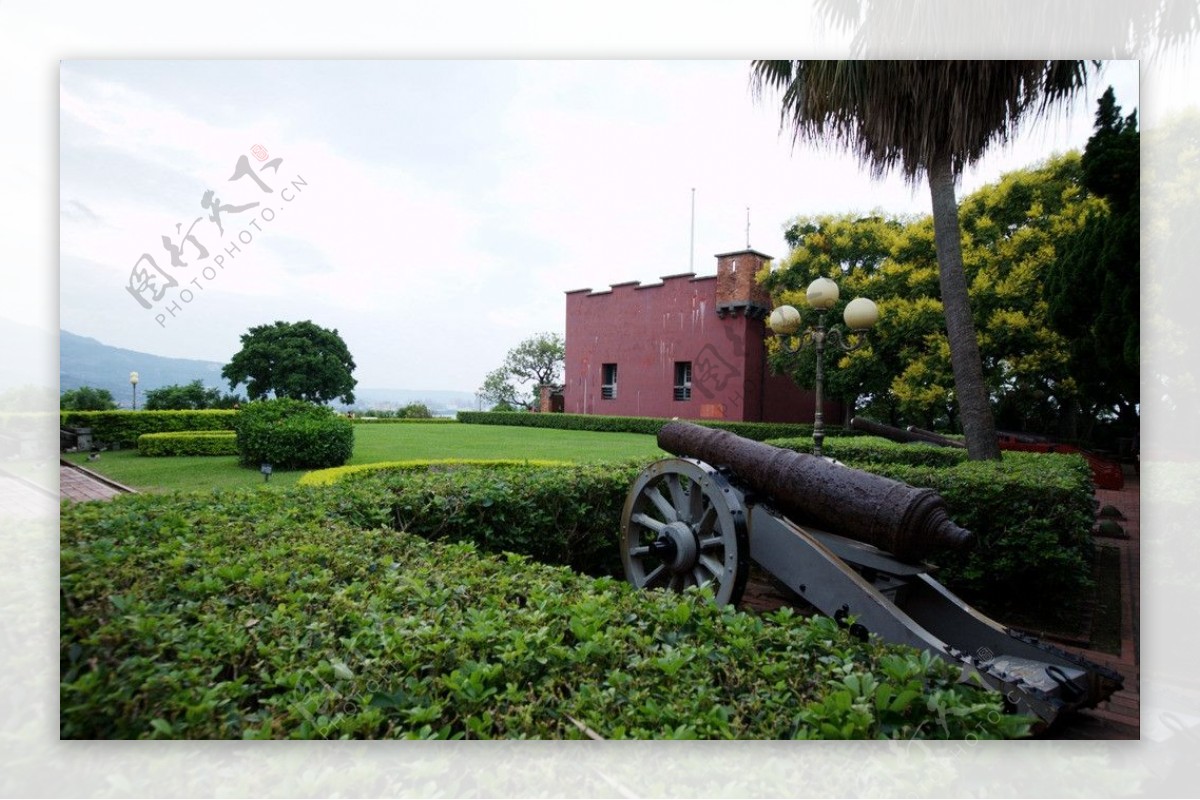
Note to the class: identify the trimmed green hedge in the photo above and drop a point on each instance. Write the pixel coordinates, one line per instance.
(863, 450)
(757, 431)
(255, 614)
(1031, 513)
(324, 477)
(188, 443)
(122, 428)
(565, 515)
(292, 434)
(357, 420)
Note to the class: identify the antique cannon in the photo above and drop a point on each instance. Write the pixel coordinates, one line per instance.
(911, 434)
(847, 542)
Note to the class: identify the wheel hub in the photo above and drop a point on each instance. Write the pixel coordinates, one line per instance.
(677, 547)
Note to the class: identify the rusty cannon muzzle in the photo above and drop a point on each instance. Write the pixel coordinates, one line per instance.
(893, 516)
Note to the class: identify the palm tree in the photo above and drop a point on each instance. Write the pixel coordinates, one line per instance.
(929, 119)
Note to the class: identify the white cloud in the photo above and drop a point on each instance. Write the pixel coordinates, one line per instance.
(438, 233)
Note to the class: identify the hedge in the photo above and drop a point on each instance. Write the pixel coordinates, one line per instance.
(122, 428)
(863, 450)
(758, 431)
(1031, 513)
(357, 420)
(324, 477)
(188, 443)
(563, 515)
(254, 614)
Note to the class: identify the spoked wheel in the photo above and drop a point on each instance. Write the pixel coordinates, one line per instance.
(683, 525)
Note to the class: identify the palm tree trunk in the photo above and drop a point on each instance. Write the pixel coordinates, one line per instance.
(974, 407)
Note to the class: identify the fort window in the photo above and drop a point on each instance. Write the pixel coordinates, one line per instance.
(608, 383)
(683, 380)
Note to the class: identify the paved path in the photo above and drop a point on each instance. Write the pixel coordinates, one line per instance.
(80, 483)
(1120, 717)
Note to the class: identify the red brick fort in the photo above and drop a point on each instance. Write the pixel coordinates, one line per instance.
(688, 347)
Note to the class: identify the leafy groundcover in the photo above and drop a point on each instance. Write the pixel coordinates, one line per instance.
(298, 614)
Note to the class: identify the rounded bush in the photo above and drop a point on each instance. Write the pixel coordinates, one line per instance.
(292, 434)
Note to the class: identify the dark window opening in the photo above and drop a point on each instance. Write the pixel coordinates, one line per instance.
(683, 380)
(608, 381)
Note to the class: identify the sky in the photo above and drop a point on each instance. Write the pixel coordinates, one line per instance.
(432, 211)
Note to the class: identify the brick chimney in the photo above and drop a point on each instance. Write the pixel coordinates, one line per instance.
(737, 291)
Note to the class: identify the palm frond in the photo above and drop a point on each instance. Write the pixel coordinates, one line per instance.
(908, 114)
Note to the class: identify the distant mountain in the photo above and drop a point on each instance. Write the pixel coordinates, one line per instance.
(84, 361)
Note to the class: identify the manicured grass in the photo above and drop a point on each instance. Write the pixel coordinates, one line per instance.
(379, 443)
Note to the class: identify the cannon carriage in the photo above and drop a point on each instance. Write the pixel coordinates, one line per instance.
(848, 542)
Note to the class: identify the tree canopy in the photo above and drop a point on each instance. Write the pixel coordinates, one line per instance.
(297, 360)
(928, 119)
(1013, 233)
(536, 361)
(1092, 288)
(86, 398)
(191, 396)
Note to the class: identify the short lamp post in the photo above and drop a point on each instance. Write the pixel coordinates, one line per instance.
(786, 322)
(133, 381)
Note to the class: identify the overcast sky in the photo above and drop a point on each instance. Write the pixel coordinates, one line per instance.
(434, 212)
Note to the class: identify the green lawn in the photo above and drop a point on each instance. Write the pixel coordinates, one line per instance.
(381, 442)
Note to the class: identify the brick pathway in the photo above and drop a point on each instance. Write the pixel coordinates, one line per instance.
(1120, 717)
(79, 483)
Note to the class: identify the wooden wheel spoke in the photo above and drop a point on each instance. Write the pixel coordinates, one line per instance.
(655, 575)
(647, 521)
(712, 565)
(664, 507)
(679, 497)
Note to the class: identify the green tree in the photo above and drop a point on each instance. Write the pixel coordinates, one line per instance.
(1093, 286)
(296, 360)
(931, 119)
(86, 398)
(415, 411)
(536, 361)
(855, 250)
(191, 396)
(1012, 232)
(499, 390)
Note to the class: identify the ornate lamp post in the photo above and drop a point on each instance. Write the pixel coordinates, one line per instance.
(785, 321)
(133, 381)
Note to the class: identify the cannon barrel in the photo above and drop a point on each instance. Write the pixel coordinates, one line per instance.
(886, 513)
(910, 436)
(935, 438)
